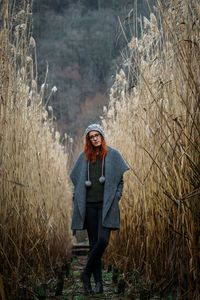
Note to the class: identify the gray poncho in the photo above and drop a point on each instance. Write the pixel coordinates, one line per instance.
(115, 166)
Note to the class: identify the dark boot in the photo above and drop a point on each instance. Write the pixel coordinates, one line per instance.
(98, 288)
(86, 283)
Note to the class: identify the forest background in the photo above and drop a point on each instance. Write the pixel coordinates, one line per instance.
(81, 41)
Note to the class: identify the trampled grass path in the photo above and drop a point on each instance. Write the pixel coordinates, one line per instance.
(73, 289)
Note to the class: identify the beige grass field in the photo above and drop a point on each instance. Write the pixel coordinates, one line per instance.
(35, 197)
(156, 125)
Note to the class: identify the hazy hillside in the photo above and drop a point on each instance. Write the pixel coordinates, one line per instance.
(81, 41)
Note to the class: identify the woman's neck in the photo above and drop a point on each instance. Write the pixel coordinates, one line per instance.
(97, 150)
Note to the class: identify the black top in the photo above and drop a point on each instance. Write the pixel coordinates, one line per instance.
(95, 191)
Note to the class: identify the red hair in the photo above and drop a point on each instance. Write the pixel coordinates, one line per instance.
(91, 152)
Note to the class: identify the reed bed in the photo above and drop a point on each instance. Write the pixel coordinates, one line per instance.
(156, 125)
(35, 205)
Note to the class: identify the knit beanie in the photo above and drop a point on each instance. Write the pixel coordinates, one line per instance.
(95, 127)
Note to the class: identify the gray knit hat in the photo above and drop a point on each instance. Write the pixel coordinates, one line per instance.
(95, 127)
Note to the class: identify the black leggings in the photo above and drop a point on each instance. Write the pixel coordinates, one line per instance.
(98, 240)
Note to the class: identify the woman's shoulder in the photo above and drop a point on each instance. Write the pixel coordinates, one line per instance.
(77, 164)
(80, 156)
(113, 151)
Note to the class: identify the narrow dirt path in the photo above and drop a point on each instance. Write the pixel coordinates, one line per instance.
(73, 289)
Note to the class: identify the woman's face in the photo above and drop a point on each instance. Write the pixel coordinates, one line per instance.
(95, 138)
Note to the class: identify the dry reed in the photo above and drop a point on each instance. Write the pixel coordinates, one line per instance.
(35, 205)
(156, 125)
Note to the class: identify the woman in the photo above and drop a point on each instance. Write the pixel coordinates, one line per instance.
(97, 177)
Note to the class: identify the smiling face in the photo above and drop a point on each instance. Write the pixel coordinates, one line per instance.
(95, 138)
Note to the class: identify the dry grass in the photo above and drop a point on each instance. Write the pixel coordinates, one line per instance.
(35, 204)
(156, 125)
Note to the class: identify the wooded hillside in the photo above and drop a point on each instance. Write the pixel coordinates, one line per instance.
(81, 41)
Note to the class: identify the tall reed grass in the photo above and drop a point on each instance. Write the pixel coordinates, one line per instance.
(35, 205)
(156, 125)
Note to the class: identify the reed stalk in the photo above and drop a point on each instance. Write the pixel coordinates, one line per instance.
(156, 125)
(35, 198)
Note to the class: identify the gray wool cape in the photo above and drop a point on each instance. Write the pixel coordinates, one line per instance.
(115, 166)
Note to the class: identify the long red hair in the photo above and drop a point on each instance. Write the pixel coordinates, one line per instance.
(91, 152)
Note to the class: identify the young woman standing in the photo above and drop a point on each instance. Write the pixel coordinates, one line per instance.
(97, 177)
